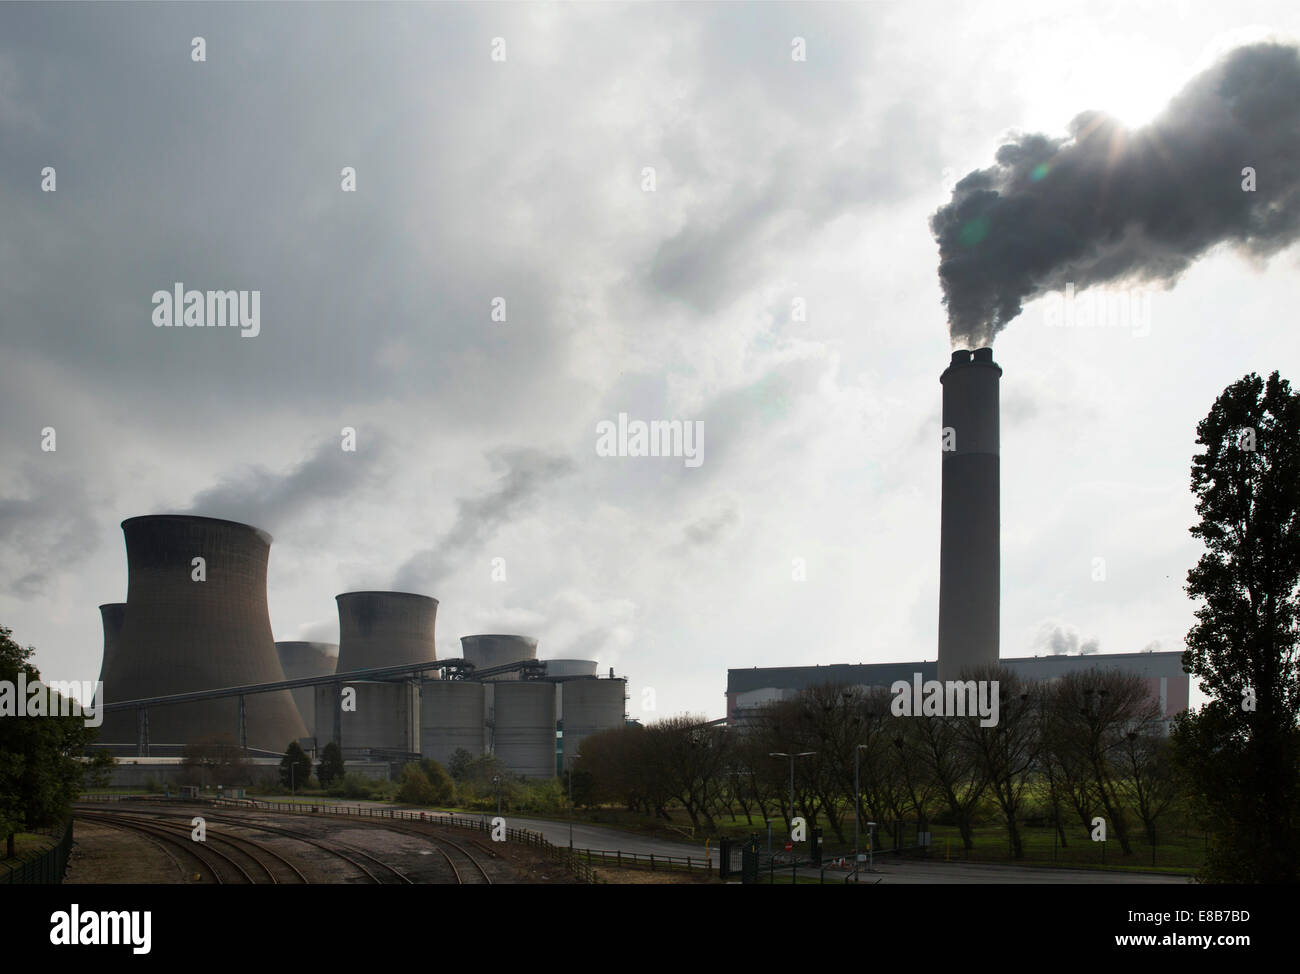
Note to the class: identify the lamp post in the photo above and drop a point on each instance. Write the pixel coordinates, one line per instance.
(791, 756)
(496, 780)
(857, 808)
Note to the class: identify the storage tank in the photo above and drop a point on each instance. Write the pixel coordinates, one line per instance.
(452, 717)
(301, 660)
(524, 727)
(181, 635)
(386, 718)
(112, 615)
(379, 629)
(589, 706)
(497, 650)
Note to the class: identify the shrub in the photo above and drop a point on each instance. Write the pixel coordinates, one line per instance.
(415, 787)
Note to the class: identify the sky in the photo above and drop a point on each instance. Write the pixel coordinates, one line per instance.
(776, 282)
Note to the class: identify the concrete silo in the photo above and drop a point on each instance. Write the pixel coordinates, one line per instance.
(969, 545)
(497, 650)
(452, 718)
(379, 629)
(183, 634)
(300, 660)
(588, 707)
(112, 614)
(523, 726)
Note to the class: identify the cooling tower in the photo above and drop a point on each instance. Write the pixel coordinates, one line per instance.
(300, 660)
(385, 629)
(112, 614)
(969, 554)
(588, 707)
(181, 635)
(524, 727)
(379, 629)
(452, 718)
(494, 650)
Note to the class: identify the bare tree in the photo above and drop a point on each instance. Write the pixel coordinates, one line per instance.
(1150, 782)
(1007, 752)
(1092, 714)
(952, 766)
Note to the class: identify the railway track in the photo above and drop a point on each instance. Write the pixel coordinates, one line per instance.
(212, 862)
(478, 876)
(470, 871)
(378, 872)
(464, 866)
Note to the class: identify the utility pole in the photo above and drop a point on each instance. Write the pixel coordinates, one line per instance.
(857, 809)
(783, 754)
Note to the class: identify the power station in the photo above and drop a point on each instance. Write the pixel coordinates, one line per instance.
(969, 575)
(189, 656)
(189, 659)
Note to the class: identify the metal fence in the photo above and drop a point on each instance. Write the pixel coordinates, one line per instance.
(654, 861)
(47, 866)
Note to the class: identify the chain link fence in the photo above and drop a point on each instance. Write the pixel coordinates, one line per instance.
(47, 866)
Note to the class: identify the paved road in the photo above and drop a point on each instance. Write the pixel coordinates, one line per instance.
(888, 869)
(961, 873)
(604, 838)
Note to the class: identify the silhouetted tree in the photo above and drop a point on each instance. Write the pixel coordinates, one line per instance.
(1242, 750)
(331, 766)
(295, 766)
(41, 771)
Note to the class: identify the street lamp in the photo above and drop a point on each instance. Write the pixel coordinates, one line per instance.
(857, 808)
(496, 780)
(784, 754)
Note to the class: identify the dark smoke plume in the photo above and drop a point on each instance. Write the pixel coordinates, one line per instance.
(1110, 204)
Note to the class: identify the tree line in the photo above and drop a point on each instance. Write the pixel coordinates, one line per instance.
(1089, 744)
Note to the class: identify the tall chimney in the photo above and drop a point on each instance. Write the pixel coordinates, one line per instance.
(969, 546)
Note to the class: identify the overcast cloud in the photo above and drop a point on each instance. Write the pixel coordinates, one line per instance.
(780, 285)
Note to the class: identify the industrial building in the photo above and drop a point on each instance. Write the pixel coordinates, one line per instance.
(379, 629)
(189, 658)
(969, 574)
(748, 689)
